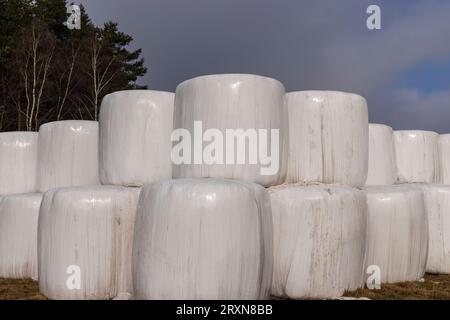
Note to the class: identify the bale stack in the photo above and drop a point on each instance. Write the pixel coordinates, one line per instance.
(320, 231)
(397, 234)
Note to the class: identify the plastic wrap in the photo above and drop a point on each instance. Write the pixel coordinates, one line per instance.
(444, 158)
(397, 235)
(227, 103)
(203, 239)
(67, 155)
(135, 144)
(86, 234)
(18, 235)
(319, 240)
(18, 156)
(382, 170)
(328, 134)
(417, 156)
(437, 205)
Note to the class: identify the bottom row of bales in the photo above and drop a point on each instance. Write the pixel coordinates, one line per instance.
(222, 239)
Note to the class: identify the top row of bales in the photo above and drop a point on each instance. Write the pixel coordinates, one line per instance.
(328, 133)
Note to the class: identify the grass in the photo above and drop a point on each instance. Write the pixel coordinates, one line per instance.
(435, 287)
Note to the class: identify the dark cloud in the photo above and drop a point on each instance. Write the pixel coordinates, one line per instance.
(305, 44)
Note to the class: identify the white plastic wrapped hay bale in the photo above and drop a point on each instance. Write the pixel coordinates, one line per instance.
(437, 205)
(319, 240)
(232, 126)
(444, 158)
(18, 156)
(397, 232)
(328, 138)
(135, 129)
(382, 167)
(86, 234)
(203, 239)
(18, 235)
(67, 155)
(417, 156)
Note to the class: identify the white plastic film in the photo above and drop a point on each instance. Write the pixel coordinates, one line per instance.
(382, 167)
(67, 155)
(18, 235)
(85, 242)
(437, 205)
(417, 156)
(203, 239)
(18, 156)
(135, 144)
(397, 232)
(319, 240)
(444, 158)
(328, 138)
(243, 118)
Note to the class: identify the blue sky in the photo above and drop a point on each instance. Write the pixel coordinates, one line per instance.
(403, 70)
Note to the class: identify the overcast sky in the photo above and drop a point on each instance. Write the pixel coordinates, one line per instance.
(403, 70)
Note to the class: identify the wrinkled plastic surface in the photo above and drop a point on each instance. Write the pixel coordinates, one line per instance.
(328, 138)
(417, 156)
(233, 101)
(437, 205)
(382, 170)
(135, 129)
(88, 227)
(67, 155)
(319, 240)
(18, 156)
(397, 235)
(203, 239)
(18, 235)
(444, 158)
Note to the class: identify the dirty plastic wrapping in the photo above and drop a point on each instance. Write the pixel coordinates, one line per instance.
(67, 155)
(18, 156)
(224, 104)
(444, 158)
(319, 240)
(437, 205)
(90, 228)
(18, 235)
(397, 232)
(381, 156)
(203, 239)
(417, 156)
(328, 138)
(135, 129)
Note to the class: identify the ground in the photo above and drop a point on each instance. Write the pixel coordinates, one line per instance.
(434, 287)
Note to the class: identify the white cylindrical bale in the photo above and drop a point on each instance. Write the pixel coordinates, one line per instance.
(237, 128)
(382, 167)
(18, 157)
(67, 155)
(444, 158)
(328, 137)
(135, 129)
(203, 239)
(18, 235)
(319, 240)
(417, 156)
(86, 232)
(397, 232)
(437, 206)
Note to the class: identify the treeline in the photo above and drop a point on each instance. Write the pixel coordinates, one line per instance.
(48, 72)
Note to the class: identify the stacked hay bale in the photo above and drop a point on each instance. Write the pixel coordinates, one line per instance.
(423, 162)
(202, 235)
(91, 227)
(320, 231)
(19, 204)
(397, 233)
